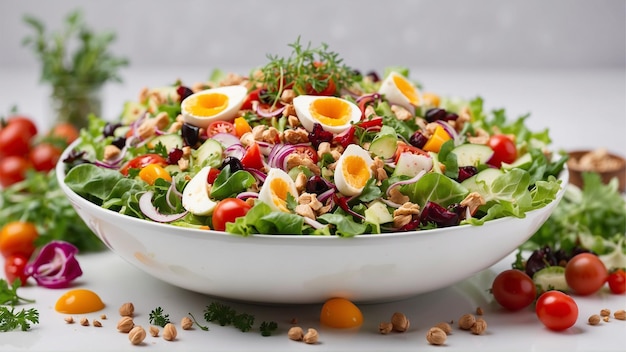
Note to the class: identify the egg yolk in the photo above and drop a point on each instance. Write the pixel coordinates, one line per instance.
(279, 193)
(340, 313)
(355, 171)
(407, 89)
(207, 104)
(79, 301)
(330, 111)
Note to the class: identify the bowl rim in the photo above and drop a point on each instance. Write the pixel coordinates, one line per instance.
(188, 231)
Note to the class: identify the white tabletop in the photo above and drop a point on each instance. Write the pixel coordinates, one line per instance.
(582, 109)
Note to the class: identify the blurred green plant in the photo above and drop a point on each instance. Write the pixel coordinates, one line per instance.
(76, 62)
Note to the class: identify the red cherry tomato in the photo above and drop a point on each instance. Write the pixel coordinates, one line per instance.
(213, 173)
(556, 310)
(25, 124)
(252, 96)
(329, 90)
(617, 281)
(220, 127)
(307, 151)
(504, 150)
(65, 131)
(14, 268)
(142, 161)
(585, 274)
(407, 148)
(14, 140)
(514, 289)
(12, 169)
(228, 210)
(253, 158)
(44, 156)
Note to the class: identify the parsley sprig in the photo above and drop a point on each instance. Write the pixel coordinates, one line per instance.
(158, 317)
(10, 319)
(8, 294)
(225, 315)
(305, 69)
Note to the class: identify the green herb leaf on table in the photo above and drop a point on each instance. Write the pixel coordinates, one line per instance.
(158, 317)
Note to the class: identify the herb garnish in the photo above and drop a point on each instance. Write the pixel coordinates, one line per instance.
(157, 317)
(225, 315)
(9, 318)
(306, 70)
(267, 328)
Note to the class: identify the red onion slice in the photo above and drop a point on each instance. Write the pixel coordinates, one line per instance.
(405, 182)
(450, 130)
(226, 139)
(267, 113)
(149, 210)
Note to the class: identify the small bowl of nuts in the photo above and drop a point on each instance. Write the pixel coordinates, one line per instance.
(601, 161)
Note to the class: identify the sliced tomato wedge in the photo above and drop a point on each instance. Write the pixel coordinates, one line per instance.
(407, 148)
(252, 96)
(307, 151)
(253, 158)
(142, 161)
(220, 127)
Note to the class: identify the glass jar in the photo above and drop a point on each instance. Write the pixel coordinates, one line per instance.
(73, 102)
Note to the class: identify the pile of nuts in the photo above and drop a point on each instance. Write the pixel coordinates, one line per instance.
(605, 315)
(437, 334)
(296, 333)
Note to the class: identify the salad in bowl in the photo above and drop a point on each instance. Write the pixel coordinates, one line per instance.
(307, 179)
(306, 145)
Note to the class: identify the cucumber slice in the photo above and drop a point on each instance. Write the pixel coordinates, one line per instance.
(550, 278)
(481, 182)
(384, 146)
(523, 162)
(472, 154)
(209, 153)
(377, 213)
(169, 141)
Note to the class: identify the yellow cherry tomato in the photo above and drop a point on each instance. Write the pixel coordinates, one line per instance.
(241, 126)
(436, 140)
(341, 313)
(151, 172)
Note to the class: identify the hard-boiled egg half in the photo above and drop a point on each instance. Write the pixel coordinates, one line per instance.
(353, 170)
(334, 114)
(204, 107)
(277, 186)
(196, 194)
(398, 90)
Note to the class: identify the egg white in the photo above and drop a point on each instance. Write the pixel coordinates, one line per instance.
(268, 195)
(236, 95)
(400, 94)
(304, 106)
(196, 194)
(343, 174)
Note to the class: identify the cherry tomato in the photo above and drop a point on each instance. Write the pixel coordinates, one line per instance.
(14, 268)
(331, 89)
(252, 96)
(253, 157)
(14, 140)
(241, 126)
(307, 151)
(504, 150)
(44, 156)
(142, 161)
(65, 131)
(340, 313)
(220, 127)
(18, 237)
(514, 289)
(617, 281)
(151, 172)
(585, 274)
(213, 173)
(12, 169)
(25, 124)
(556, 310)
(228, 210)
(407, 148)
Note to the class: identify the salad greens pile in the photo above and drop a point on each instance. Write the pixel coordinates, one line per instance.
(429, 164)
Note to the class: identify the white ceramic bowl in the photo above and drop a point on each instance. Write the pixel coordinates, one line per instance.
(308, 269)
